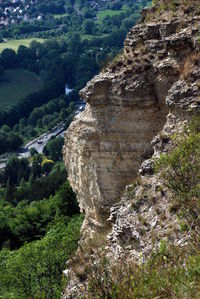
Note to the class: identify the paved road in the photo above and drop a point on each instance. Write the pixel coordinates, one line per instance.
(40, 142)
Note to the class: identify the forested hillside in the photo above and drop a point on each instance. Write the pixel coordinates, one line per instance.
(39, 215)
(93, 36)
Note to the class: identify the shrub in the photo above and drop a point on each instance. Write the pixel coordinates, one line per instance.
(47, 165)
(168, 273)
(181, 172)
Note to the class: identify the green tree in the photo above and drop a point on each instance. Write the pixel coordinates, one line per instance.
(67, 200)
(47, 166)
(38, 266)
(8, 58)
(9, 192)
(16, 169)
(36, 168)
(89, 26)
(53, 149)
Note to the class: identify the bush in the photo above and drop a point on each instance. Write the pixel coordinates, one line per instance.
(181, 172)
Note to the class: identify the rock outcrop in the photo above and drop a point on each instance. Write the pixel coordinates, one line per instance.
(126, 107)
(133, 108)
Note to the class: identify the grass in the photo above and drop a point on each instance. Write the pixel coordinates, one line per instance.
(19, 84)
(58, 16)
(168, 273)
(15, 43)
(109, 12)
(90, 36)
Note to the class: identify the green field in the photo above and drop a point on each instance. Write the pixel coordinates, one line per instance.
(19, 84)
(60, 16)
(15, 43)
(108, 12)
(90, 37)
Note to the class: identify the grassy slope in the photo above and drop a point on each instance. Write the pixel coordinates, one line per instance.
(15, 43)
(20, 84)
(108, 12)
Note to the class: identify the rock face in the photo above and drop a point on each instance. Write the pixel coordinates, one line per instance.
(106, 144)
(133, 108)
(126, 108)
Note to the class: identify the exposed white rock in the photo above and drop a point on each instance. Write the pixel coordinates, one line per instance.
(133, 109)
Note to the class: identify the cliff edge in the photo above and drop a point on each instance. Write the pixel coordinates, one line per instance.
(134, 106)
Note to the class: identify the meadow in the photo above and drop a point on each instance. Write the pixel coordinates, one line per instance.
(15, 43)
(19, 83)
(58, 16)
(109, 12)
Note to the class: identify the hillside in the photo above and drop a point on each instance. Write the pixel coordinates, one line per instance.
(64, 48)
(40, 219)
(138, 142)
(41, 19)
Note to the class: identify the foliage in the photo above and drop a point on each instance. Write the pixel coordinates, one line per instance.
(41, 185)
(29, 221)
(73, 59)
(16, 169)
(8, 58)
(181, 172)
(109, 12)
(35, 270)
(54, 148)
(22, 181)
(170, 7)
(47, 165)
(10, 141)
(36, 233)
(33, 151)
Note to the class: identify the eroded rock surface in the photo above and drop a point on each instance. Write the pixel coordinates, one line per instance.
(133, 108)
(126, 108)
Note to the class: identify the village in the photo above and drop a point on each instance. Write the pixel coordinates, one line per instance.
(15, 11)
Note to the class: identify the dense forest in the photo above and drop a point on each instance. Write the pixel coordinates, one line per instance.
(39, 215)
(39, 224)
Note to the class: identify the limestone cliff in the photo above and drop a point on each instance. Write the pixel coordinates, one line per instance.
(133, 107)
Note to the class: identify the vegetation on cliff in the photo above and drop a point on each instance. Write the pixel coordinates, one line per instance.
(152, 250)
(164, 10)
(171, 271)
(181, 173)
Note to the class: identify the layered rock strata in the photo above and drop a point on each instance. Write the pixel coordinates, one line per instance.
(126, 107)
(133, 109)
